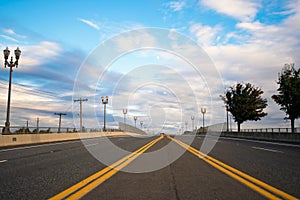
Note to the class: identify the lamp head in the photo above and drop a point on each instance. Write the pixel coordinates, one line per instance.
(6, 53)
(17, 53)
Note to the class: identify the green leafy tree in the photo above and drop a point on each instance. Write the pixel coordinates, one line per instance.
(289, 93)
(245, 103)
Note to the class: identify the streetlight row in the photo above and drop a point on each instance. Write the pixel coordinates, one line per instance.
(125, 111)
(15, 63)
(203, 111)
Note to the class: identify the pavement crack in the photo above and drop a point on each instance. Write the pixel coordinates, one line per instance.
(174, 182)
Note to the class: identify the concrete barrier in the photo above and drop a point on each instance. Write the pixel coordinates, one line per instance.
(15, 140)
(282, 137)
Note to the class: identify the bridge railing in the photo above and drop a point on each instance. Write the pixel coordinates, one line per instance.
(278, 134)
(271, 130)
(41, 130)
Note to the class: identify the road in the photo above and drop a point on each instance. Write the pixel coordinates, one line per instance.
(50, 170)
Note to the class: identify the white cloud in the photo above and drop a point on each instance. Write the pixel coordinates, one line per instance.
(258, 53)
(176, 5)
(90, 23)
(9, 31)
(129, 42)
(12, 32)
(242, 10)
(36, 55)
(9, 38)
(206, 35)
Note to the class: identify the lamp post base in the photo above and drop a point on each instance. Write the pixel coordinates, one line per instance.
(6, 129)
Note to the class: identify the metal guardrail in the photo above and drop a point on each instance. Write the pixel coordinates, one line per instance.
(271, 130)
(41, 130)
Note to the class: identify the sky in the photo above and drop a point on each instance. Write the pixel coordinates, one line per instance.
(66, 46)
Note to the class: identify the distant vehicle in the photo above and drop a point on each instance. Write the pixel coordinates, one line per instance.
(162, 133)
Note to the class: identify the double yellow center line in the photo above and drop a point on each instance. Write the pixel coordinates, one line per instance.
(83, 187)
(255, 184)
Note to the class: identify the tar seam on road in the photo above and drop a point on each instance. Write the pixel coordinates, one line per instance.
(83, 187)
(255, 184)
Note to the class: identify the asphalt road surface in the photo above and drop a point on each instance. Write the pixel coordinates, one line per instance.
(151, 168)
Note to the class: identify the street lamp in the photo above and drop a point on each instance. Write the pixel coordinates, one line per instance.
(141, 123)
(203, 110)
(186, 124)
(104, 102)
(135, 118)
(10, 64)
(227, 125)
(125, 112)
(192, 118)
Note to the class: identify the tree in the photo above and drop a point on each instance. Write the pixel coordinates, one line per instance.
(245, 103)
(289, 93)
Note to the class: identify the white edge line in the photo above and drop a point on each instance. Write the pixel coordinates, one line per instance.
(264, 149)
(51, 144)
(88, 145)
(258, 141)
(39, 145)
(2, 161)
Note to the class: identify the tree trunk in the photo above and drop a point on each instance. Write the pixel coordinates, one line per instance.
(293, 125)
(239, 126)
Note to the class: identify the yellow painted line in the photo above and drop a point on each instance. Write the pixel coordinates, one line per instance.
(106, 176)
(238, 175)
(83, 187)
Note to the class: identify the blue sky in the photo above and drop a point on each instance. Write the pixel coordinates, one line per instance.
(247, 41)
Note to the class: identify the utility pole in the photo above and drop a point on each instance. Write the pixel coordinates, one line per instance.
(59, 123)
(80, 114)
(37, 125)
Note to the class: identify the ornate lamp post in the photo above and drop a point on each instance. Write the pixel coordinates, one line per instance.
(104, 102)
(141, 123)
(135, 118)
(227, 125)
(125, 112)
(10, 64)
(203, 110)
(186, 125)
(192, 118)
